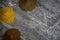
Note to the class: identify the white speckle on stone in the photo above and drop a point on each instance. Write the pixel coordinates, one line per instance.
(28, 11)
(11, 4)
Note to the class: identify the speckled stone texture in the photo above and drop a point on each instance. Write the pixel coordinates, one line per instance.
(43, 23)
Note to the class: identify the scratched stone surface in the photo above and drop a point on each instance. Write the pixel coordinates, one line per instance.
(42, 23)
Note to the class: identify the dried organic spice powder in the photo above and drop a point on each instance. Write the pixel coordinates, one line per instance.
(7, 15)
(27, 5)
(12, 34)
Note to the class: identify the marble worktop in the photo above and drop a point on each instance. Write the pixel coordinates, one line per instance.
(42, 23)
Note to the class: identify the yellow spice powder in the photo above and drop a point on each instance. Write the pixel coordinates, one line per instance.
(7, 15)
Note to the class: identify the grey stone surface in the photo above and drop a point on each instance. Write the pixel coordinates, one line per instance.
(42, 23)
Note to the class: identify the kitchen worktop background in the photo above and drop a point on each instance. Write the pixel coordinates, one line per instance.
(42, 23)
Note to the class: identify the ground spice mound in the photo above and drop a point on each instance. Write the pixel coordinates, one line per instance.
(27, 5)
(12, 34)
(7, 15)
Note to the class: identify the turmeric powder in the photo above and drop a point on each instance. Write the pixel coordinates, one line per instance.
(7, 15)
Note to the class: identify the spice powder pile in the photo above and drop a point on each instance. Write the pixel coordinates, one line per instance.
(12, 34)
(27, 5)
